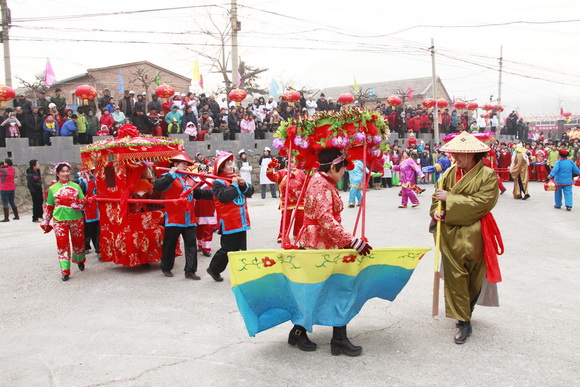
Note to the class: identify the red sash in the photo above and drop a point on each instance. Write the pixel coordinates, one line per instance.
(492, 247)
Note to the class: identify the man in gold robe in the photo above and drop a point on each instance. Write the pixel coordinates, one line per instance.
(519, 172)
(468, 191)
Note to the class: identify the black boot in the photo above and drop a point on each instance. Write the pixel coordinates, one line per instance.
(6, 215)
(299, 337)
(463, 333)
(341, 344)
(15, 211)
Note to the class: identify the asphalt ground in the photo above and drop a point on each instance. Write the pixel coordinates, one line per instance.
(116, 326)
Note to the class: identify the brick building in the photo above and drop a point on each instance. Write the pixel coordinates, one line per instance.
(108, 77)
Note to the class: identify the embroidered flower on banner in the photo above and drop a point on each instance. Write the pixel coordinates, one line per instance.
(349, 258)
(268, 262)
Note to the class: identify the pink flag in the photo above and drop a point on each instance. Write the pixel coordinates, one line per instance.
(201, 81)
(410, 93)
(49, 77)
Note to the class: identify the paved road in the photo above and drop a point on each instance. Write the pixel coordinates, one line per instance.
(132, 327)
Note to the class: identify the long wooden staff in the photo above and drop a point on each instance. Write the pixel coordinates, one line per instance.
(437, 274)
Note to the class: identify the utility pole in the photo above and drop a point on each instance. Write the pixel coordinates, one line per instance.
(236, 26)
(6, 21)
(434, 81)
(499, 86)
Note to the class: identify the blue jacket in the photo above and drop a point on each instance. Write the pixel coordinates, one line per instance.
(56, 128)
(563, 170)
(68, 128)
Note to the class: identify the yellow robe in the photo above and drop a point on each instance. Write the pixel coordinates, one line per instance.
(519, 171)
(468, 200)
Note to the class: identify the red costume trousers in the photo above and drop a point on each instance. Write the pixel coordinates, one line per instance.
(541, 172)
(68, 231)
(297, 222)
(204, 233)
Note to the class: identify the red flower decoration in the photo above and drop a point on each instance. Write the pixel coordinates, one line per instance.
(291, 131)
(372, 129)
(349, 258)
(267, 261)
(374, 117)
(350, 129)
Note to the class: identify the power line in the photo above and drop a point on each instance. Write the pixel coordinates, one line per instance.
(101, 14)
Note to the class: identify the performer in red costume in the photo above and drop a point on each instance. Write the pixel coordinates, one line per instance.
(504, 161)
(296, 184)
(206, 218)
(323, 230)
(180, 215)
(232, 212)
(541, 158)
(490, 161)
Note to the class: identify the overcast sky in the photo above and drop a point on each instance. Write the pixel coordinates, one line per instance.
(323, 43)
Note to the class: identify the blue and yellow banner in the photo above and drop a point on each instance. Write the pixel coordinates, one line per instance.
(315, 287)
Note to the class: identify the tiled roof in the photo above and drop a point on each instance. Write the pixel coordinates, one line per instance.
(385, 89)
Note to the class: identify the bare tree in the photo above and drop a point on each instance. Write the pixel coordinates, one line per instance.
(32, 88)
(220, 60)
(143, 79)
(363, 96)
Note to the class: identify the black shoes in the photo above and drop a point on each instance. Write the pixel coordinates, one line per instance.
(341, 344)
(526, 196)
(167, 273)
(299, 338)
(216, 277)
(464, 331)
(192, 275)
(568, 208)
(81, 266)
(207, 253)
(64, 277)
(501, 193)
(146, 265)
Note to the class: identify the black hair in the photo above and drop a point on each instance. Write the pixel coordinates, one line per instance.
(60, 167)
(80, 110)
(8, 162)
(32, 163)
(327, 156)
(479, 156)
(74, 116)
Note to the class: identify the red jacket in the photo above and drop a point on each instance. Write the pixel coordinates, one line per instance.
(180, 213)
(416, 123)
(91, 210)
(231, 207)
(7, 178)
(107, 119)
(425, 122)
(445, 118)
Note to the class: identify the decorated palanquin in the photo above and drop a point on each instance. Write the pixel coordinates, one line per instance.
(131, 216)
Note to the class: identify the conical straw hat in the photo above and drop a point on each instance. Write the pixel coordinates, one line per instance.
(465, 143)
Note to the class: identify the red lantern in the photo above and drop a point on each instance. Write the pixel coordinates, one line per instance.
(501, 109)
(441, 103)
(237, 95)
(346, 98)
(460, 105)
(86, 93)
(6, 94)
(472, 106)
(164, 92)
(394, 101)
(292, 96)
(487, 107)
(429, 102)
(486, 116)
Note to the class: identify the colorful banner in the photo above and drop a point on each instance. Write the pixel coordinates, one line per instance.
(49, 76)
(315, 287)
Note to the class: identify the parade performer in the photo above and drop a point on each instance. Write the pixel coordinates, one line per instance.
(355, 177)
(206, 218)
(409, 169)
(563, 172)
(504, 161)
(519, 172)
(468, 192)
(296, 184)
(88, 184)
(323, 230)
(64, 204)
(442, 164)
(541, 159)
(180, 215)
(490, 161)
(232, 212)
